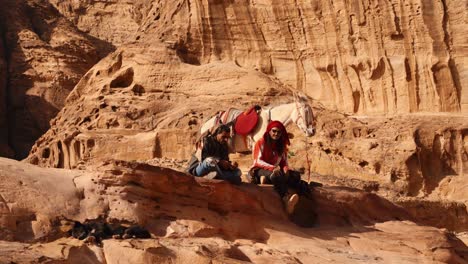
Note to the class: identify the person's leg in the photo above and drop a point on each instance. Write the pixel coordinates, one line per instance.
(295, 182)
(204, 167)
(233, 176)
(279, 182)
(263, 174)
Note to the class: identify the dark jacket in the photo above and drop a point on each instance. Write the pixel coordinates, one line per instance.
(210, 148)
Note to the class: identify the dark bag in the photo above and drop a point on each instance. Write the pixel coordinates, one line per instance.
(294, 181)
(251, 178)
(193, 163)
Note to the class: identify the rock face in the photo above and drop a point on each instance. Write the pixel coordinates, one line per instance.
(152, 105)
(42, 57)
(202, 220)
(114, 22)
(5, 149)
(357, 57)
(189, 59)
(387, 81)
(416, 153)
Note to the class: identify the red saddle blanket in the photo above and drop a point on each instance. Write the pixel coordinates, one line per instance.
(246, 122)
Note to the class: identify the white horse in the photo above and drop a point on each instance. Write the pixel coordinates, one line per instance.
(298, 112)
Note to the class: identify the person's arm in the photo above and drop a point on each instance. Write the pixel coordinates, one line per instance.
(257, 155)
(284, 162)
(204, 149)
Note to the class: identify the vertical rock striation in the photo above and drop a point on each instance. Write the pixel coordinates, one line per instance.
(42, 57)
(364, 57)
(112, 22)
(5, 150)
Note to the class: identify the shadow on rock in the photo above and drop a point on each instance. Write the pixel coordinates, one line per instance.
(173, 204)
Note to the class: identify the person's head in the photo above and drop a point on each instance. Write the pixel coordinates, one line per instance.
(222, 134)
(276, 132)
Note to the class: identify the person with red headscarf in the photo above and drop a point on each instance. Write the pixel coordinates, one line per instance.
(270, 163)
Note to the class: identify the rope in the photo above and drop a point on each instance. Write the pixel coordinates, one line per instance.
(307, 160)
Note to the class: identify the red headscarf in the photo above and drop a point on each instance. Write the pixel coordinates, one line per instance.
(284, 135)
(284, 140)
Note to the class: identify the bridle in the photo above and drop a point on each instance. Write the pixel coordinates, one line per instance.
(300, 116)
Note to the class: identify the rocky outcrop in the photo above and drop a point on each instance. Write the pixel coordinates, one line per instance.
(42, 56)
(152, 105)
(199, 219)
(116, 22)
(5, 150)
(188, 59)
(360, 57)
(417, 153)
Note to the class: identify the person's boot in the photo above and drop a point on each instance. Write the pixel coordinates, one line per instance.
(290, 202)
(263, 180)
(211, 175)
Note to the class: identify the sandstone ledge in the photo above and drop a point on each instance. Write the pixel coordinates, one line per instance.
(220, 221)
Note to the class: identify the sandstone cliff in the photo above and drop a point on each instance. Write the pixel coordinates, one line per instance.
(42, 57)
(207, 221)
(189, 59)
(386, 80)
(365, 57)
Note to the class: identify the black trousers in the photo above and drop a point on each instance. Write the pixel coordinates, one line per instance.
(281, 181)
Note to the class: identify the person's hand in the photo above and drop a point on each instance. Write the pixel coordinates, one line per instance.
(224, 164)
(277, 169)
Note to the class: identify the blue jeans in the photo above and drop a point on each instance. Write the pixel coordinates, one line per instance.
(207, 165)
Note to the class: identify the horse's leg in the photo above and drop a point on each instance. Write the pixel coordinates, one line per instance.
(239, 144)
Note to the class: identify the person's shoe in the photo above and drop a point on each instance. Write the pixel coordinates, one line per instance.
(211, 175)
(291, 202)
(315, 184)
(263, 180)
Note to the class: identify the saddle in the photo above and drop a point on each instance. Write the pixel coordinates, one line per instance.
(243, 122)
(246, 122)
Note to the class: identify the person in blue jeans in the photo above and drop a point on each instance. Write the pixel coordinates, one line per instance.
(213, 161)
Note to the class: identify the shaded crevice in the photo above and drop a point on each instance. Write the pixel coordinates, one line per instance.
(451, 64)
(9, 114)
(456, 81)
(398, 34)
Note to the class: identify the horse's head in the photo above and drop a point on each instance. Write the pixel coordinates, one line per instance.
(304, 116)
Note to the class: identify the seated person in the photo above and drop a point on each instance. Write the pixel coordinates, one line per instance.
(270, 164)
(213, 159)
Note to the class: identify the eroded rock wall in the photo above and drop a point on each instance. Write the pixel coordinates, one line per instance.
(5, 150)
(196, 219)
(44, 56)
(137, 106)
(365, 57)
(115, 21)
(190, 59)
(418, 155)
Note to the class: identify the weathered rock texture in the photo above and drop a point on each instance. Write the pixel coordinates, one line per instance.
(423, 156)
(366, 57)
(42, 57)
(5, 149)
(417, 153)
(179, 62)
(114, 22)
(137, 106)
(202, 220)
(190, 59)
